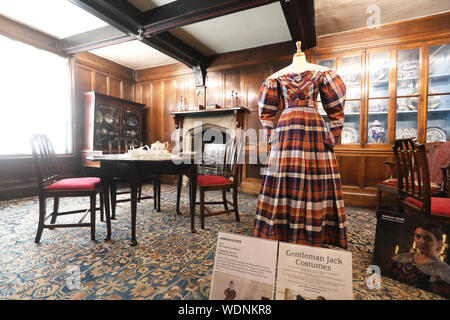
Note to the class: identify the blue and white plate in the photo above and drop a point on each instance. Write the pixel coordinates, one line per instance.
(349, 135)
(436, 134)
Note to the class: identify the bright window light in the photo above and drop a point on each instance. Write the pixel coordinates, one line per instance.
(34, 98)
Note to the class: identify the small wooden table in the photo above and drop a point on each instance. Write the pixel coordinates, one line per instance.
(133, 169)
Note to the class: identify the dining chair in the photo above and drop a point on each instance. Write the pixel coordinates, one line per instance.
(51, 186)
(390, 184)
(125, 144)
(414, 186)
(227, 180)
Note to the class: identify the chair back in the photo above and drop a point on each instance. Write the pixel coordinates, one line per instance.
(44, 160)
(413, 172)
(231, 158)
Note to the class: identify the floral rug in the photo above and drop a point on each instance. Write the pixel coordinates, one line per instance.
(169, 261)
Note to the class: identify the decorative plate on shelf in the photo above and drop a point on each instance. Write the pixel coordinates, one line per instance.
(380, 73)
(413, 102)
(436, 134)
(408, 69)
(351, 78)
(351, 106)
(377, 106)
(349, 135)
(433, 101)
(98, 116)
(406, 133)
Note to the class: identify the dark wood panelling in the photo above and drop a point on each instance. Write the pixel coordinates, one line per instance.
(374, 176)
(128, 90)
(115, 88)
(101, 83)
(214, 88)
(348, 166)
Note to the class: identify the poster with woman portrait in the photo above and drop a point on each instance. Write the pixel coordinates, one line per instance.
(414, 251)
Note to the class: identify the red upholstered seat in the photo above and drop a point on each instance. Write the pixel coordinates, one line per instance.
(88, 183)
(208, 180)
(439, 206)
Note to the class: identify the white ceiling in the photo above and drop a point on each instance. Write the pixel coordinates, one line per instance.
(134, 54)
(145, 5)
(246, 29)
(57, 18)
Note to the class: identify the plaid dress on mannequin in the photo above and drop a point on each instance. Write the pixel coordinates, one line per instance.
(301, 196)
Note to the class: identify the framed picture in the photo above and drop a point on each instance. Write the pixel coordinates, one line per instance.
(414, 251)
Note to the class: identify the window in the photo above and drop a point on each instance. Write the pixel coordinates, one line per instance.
(34, 98)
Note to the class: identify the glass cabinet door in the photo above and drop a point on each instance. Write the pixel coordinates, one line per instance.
(351, 75)
(407, 103)
(438, 126)
(330, 64)
(378, 97)
(131, 125)
(106, 125)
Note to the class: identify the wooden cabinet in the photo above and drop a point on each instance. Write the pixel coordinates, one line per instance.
(393, 91)
(108, 120)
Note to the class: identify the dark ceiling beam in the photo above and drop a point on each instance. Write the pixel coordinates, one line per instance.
(300, 18)
(184, 12)
(127, 20)
(94, 39)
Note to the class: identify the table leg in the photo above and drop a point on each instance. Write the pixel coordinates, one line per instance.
(180, 181)
(159, 194)
(134, 187)
(192, 196)
(107, 213)
(106, 181)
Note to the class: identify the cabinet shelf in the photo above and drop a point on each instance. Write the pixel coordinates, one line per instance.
(443, 75)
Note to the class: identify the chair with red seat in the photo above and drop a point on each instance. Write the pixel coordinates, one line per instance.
(229, 179)
(51, 186)
(390, 185)
(414, 186)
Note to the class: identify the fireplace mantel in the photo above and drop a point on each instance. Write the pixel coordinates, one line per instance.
(239, 112)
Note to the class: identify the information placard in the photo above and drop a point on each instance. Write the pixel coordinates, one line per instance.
(244, 268)
(311, 273)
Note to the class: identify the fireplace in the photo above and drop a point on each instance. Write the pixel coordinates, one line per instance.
(207, 132)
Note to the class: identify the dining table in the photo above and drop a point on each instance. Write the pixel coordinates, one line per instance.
(133, 169)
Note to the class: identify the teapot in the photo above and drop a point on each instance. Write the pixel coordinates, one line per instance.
(158, 146)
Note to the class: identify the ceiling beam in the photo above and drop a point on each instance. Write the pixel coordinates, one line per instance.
(184, 12)
(300, 18)
(129, 21)
(93, 39)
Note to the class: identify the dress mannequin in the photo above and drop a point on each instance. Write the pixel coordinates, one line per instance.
(301, 198)
(299, 64)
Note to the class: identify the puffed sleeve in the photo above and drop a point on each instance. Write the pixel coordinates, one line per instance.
(332, 93)
(268, 103)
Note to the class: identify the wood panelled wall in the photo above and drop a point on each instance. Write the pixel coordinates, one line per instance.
(361, 168)
(93, 73)
(89, 72)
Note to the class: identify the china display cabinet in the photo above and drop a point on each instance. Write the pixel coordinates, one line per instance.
(109, 122)
(394, 92)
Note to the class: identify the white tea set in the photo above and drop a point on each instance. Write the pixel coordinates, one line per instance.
(156, 148)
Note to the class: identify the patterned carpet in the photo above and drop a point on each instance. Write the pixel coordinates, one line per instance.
(169, 262)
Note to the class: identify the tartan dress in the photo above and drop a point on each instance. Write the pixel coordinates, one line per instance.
(301, 200)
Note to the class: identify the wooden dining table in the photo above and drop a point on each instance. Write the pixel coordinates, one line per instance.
(134, 169)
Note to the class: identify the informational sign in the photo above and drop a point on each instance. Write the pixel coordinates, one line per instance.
(244, 268)
(247, 268)
(311, 273)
